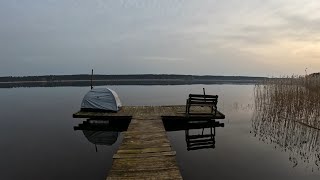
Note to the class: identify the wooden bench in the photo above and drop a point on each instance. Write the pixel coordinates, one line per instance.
(202, 100)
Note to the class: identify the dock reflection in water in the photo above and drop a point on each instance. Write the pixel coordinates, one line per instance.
(199, 134)
(102, 131)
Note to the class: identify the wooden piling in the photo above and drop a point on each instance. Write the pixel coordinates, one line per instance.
(92, 79)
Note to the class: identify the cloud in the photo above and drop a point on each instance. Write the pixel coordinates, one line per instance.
(158, 36)
(159, 58)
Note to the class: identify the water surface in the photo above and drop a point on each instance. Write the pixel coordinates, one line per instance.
(38, 140)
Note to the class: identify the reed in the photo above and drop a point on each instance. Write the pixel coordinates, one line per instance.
(295, 98)
(287, 113)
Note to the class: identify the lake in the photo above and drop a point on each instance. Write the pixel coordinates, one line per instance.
(38, 140)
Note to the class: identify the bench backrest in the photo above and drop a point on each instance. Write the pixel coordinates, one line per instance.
(200, 98)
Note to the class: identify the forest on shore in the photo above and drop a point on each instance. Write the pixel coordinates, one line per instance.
(84, 77)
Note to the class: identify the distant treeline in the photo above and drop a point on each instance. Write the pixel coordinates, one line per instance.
(81, 77)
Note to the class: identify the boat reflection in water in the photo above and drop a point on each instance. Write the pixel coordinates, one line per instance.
(199, 134)
(299, 140)
(102, 131)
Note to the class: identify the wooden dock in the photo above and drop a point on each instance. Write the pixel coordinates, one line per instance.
(145, 152)
(174, 112)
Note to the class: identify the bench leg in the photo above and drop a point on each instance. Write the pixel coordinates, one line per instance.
(187, 104)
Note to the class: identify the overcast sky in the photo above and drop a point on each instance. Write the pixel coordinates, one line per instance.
(226, 37)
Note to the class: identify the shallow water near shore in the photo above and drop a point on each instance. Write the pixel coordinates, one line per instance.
(38, 140)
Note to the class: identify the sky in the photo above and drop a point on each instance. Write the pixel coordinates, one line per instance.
(201, 37)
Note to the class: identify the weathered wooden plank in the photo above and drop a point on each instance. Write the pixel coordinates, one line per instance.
(147, 174)
(150, 163)
(145, 141)
(144, 150)
(143, 155)
(136, 131)
(143, 146)
(141, 128)
(148, 169)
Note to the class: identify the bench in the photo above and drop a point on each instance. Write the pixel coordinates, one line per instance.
(202, 100)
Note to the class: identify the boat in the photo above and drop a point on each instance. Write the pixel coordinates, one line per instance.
(101, 99)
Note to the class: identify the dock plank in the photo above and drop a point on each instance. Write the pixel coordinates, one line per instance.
(145, 152)
(144, 164)
(145, 174)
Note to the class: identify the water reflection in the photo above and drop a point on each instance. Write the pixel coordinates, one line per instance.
(200, 141)
(199, 134)
(301, 142)
(102, 131)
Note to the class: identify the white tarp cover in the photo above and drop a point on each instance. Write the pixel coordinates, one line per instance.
(103, 99)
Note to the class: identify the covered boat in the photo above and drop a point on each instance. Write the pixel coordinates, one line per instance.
(101, 99)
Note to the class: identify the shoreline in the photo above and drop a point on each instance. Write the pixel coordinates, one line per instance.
(83, 83)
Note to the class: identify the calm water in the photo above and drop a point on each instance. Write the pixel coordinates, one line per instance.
(38, 140)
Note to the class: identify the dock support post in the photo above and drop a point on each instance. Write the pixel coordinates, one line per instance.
(92, 79)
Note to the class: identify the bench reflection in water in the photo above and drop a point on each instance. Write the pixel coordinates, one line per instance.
(199, 134)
